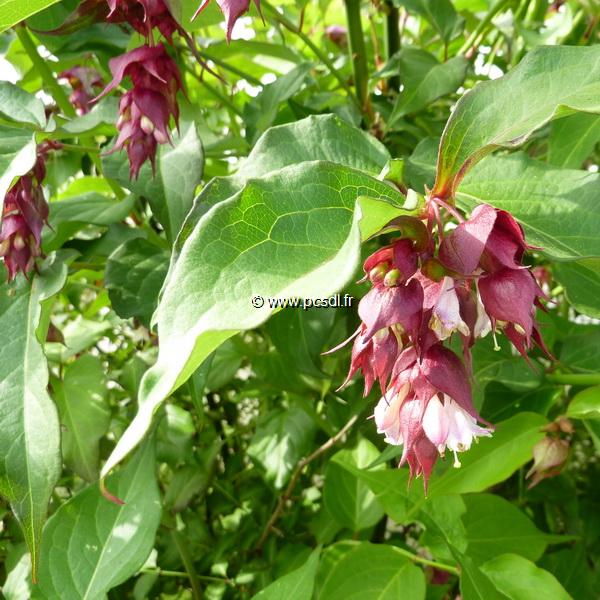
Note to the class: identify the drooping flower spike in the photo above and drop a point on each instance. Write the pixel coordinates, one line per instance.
(143, 16)
(472, 283)
(24, 214)
(145, 111)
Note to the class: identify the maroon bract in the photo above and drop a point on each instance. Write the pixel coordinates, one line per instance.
(24, 214)
(232, 10)
(143, 16)
(145, 110)
(338, 35)
(82, 80)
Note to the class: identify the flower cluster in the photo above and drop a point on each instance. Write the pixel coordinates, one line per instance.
(146, 110)
(423, 293)
(23, 216)
(143, 16)
(82, 80)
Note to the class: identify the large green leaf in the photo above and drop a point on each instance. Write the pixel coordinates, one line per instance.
(135, 272)
(347, 498)
(474, 584)
(293, 233)
(91, 545)
(572, 139)
(519, 579)
(29, 434)
(557, 207)
(14, 11)
(282, 438)
(18, 105)
(84, 413)
(364, 570)
(495, 526)
(323, 137)
(17, 156)
(298, 584)
(425, 79)
(171, 190)
(506, 111)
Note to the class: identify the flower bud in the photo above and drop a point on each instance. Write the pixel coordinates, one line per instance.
(549, 457)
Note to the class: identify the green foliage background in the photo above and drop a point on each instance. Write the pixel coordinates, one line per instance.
(135, 353)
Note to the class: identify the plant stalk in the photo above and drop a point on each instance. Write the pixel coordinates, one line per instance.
(425, 561)
(483, 25)
(188, 563)
(574, 378)
(392, 38)
(358, 54)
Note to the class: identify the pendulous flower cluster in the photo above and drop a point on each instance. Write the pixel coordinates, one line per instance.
(146, 109)
(23, 216)
(469, 284)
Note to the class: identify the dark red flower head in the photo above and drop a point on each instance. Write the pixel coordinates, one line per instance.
(23, 216)
(83, 80)
(145, 110)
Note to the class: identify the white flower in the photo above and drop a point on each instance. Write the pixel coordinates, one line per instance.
(447, 425)
(446, 318)
(483, 325)
(387, 415)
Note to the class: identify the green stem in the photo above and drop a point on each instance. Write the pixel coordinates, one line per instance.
(41, 66)
(185, 575)
(279, 18)
(392, 37)
(425, 561)
(574, 378)
(483, 25)
(358, 53)
(188, 563)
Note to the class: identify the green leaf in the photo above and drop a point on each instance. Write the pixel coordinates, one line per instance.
(15, 11)
(474, 585)
(18, 105)
(376, 572)
(495, 526)
(84, 414)
(282, 438)
(440, 13)
(580, 351)
(347, 498)
(493, 459)
(298, 584)
(91, 545)
(323, 137)
(300, 337)
(30, 440)
(546, 84)
(135, 272)
(571, 568)
(519, 579)
(260, 113)
(17, 156)
(178, 173)
(572, 139)
(557, 207)
(585, 404)
(581, 280)
(99, 121)
(425, 79)
(294, 233)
